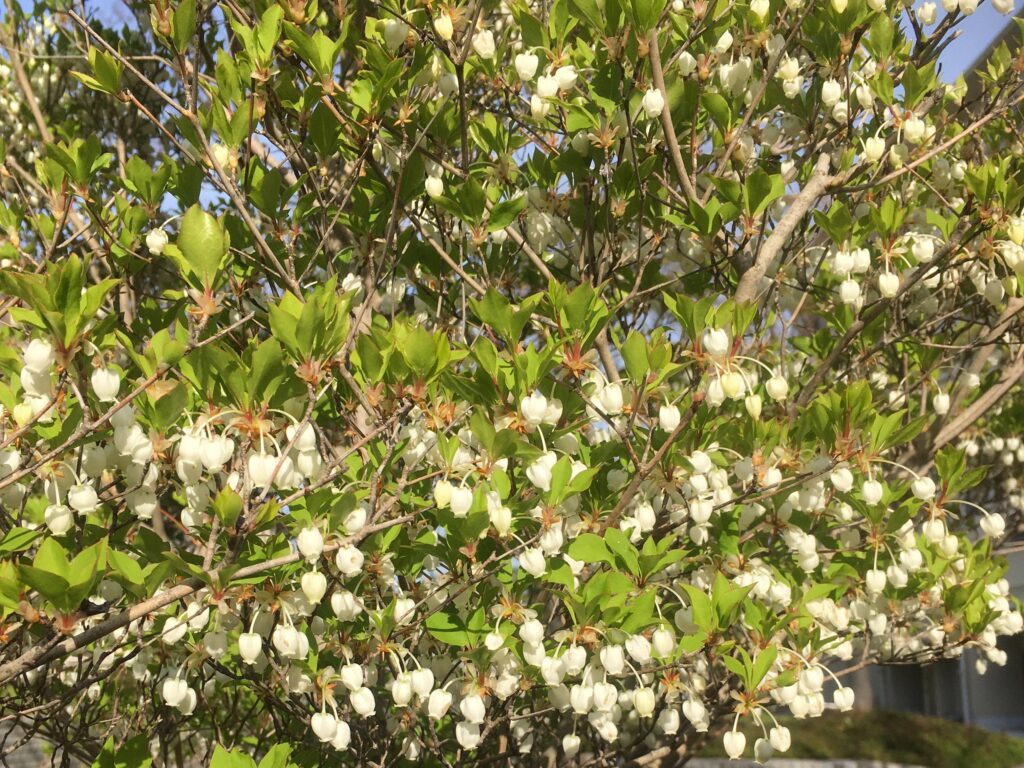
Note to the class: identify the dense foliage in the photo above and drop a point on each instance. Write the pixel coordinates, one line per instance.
(531, 382)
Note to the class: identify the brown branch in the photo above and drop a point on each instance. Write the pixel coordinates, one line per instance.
(666, 117)
(815, 187)
(981, 406)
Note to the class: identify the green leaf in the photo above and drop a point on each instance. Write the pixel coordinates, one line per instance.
(52, 558)
(420, 351)
(284, 319)
(448, 627)
(642, 613)
(726, 596)
(486, 354)
(505, 212)
(223, 758)
(183, 24)
(203, 244)
(634, 355)
(762, 664)
(10, 586)
(561, 575)
(881, 36)
(18, 540)
(646, 13)
(276, 757)
(761, 190)
(718, 108)
(84, 568)
(126, 567)
(268, 32)
(701, 610)
(134, 753)
(267, 371)
(736, 667)
(323, 129)
(692, 643)
(106, 72)
(837, 221)
(472, 200)
(559, 478)
(51, 586)
(917, 82)
(619, 543)
(590, 548)
(590, 10)
(494, 310)
(227, 506)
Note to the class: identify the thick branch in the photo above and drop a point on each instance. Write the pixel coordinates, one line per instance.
(980, 407)
(770, 249)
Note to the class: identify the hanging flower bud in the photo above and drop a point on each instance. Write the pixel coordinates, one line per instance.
(716, 342)
(644, 701)
(533, 409)
(39, 356)
(442, 494)
(174, 690)
(310, 543)
(434, 186)
(993, 525)
(363, 702)
(735, 743)
(349, 560)
(780, 738)
(483, 44)
(473, 709)
(923, 488)
(461, 501)
(58, 519)
(343, 737)
(888, 284)
(653, 103)
(83, 499)
(314, 586)
(395, 33)
(871, 492)
(874, 149)
(156, 240)
(250, 645)
(668, 417)
(324, 726)
(526, 66)
(777, 388)
(438, 704)
(444, 26)
(105, 384)
(613, 659)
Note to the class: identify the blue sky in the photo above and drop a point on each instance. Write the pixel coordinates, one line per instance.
(977, 31)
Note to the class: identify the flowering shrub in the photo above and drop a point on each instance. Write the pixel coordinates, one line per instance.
(543, 382)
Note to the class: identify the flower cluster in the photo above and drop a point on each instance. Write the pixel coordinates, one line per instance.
(514, 383)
